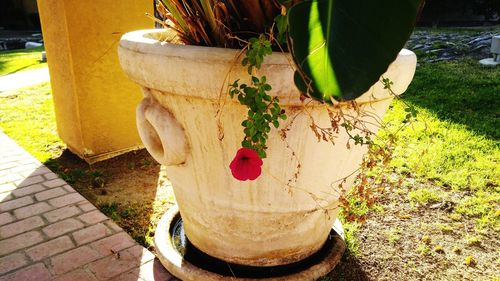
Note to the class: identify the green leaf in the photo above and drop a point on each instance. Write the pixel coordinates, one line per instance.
(342, 47)
(246, 143)
(281, 25)
(276, 124)
(262, 154)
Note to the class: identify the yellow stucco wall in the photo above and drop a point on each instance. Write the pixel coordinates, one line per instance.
(94, 101)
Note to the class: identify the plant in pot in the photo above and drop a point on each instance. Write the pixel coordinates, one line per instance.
(259, 142)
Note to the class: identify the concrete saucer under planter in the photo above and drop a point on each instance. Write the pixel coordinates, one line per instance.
(188, 263)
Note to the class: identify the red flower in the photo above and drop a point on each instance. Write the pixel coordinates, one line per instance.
(246, 164)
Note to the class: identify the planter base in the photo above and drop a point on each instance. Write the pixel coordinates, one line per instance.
(186, 262)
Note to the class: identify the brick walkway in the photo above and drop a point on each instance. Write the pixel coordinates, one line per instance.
(50, 232)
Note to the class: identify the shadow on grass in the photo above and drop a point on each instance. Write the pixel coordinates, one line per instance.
(462, 92)
(18, 69)
(348, 269)
(18, 60)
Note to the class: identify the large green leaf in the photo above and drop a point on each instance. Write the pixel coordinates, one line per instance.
(341, 47)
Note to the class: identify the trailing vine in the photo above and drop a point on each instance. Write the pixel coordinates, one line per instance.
(369, 186)
(263, 109)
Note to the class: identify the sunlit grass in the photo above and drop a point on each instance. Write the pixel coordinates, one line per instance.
(455, 141)
(19, 60)
(424, 196)
(27, 116)
(452, 147)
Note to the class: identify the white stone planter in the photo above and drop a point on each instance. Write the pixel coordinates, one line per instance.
(269, 221)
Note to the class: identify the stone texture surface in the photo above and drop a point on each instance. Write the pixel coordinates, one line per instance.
(448, 46)
(50, 232)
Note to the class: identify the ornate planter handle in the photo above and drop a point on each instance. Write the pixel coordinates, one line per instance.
(161, 133)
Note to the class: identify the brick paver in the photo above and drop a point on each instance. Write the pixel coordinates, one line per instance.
(12, 262)
(48, 231)
(91, 233)
(16, 203)
(20, 226)
(19, 192)
(32, 210)
(66, 200)
(36, 272)
(78, 274)
(125, 260)
(93, 217)
(50, 248)
(6, 218)
(73, 259)
(20, 241)
(62, 227)
(113, 244)
(30, 181)
(51, 193)
(62, 213)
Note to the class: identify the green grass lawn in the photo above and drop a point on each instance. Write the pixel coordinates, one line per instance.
(453, 145)
(455, 142)
(27, 116)
(445, 206)
(19, 60)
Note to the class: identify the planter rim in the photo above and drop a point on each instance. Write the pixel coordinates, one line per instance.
(148, 40)
(156, 43)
